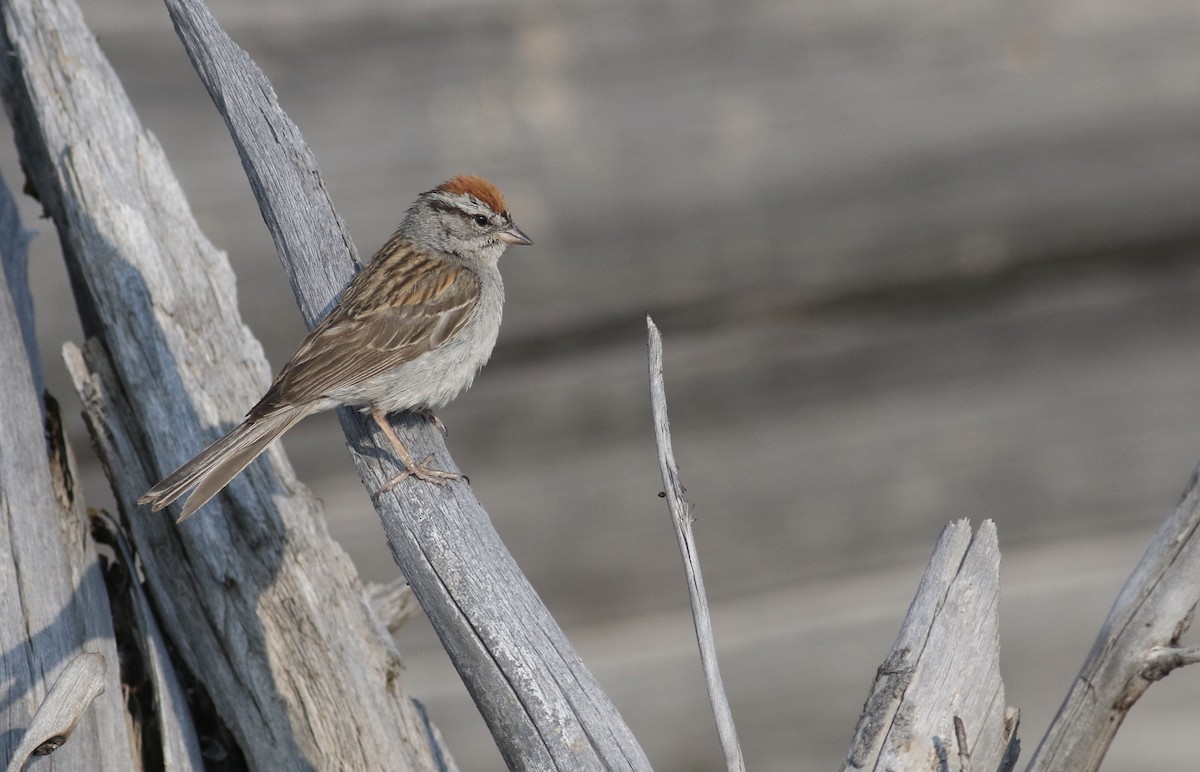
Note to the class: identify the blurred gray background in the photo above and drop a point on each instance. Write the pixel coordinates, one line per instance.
(913, 261)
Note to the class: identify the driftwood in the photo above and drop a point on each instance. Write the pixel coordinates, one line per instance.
(941, 686)
(938, 697)
(53, 606)
(1138, 644)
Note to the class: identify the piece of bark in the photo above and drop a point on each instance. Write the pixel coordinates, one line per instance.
(544, 709)
(944, 666)
(53, 605)
(1138, 644)
(262, 606)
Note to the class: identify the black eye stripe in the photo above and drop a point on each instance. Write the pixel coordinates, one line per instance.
(478, 218)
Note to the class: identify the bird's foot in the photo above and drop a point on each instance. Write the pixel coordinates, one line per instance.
(422, 472)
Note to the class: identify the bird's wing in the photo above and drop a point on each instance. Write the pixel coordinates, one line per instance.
(400, 306)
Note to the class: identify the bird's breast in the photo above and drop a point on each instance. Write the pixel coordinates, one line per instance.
(436, 377)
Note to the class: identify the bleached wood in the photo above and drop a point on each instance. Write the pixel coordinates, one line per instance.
(53, 605)
(14, 261)
(943, 666)
(264, 609)
(544, 708)
(681, 519)
(1138, 644)
(80, 682)
(394, 603)
(167, 706)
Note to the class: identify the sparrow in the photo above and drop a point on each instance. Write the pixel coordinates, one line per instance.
(409, 332)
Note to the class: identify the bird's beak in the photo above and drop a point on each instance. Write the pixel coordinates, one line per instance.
(514, 236)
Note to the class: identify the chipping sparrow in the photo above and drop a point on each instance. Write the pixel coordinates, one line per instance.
(409, 333)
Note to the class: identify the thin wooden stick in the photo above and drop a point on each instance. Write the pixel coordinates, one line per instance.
(682, 519)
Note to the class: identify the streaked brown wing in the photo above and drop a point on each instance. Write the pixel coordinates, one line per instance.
(400, 306)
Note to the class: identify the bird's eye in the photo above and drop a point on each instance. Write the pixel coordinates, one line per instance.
(480, 220)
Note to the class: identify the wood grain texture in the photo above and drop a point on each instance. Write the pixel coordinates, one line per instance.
(261, 605)
(53, 605)
(944, 665)
(544, 709)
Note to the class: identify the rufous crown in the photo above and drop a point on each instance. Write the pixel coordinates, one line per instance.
(471, 185)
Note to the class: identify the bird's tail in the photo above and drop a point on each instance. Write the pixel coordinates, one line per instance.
(213, 468)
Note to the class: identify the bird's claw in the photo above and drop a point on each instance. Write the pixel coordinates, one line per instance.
(422, 472)
(432, 416)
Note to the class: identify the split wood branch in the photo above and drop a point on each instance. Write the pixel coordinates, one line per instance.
(682, 521)
(943, 670)
(1137, 645)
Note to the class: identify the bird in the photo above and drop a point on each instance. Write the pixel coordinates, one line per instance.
(409, 333)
